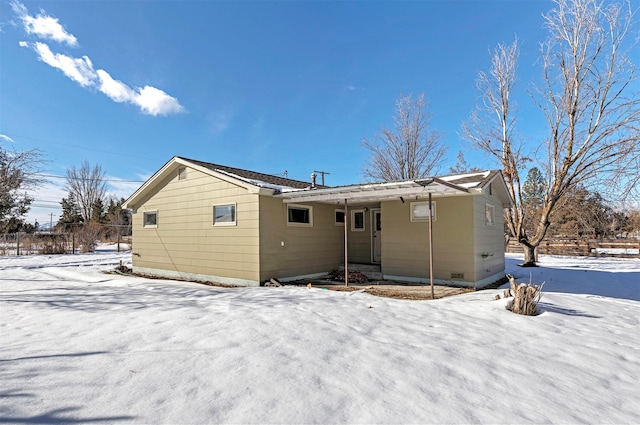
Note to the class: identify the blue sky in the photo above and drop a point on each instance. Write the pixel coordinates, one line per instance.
(268, 86)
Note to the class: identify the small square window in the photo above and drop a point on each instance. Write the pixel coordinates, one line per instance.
(339, 217)
(224, 215)
(299, 215)
(150, 219)
(420, 211)
(490, 215)
(357, 220)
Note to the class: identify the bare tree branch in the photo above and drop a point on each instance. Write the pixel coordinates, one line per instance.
(18, 174)
(87, 185)
(410, 150)
(592, 116)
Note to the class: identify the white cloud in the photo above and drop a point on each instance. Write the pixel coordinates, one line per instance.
(79, 70)
(114, 89)
(150, 100)
(6, 138)
(43, 26)
(154, 101)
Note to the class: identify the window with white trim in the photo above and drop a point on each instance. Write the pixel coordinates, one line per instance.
(150, 219)
(299, 215)
(420, 211)
(490, 215)
(224, 215)
(357, 220)
(339, 217)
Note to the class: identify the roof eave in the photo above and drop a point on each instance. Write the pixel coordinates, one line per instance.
(375, 192)
(130, 203)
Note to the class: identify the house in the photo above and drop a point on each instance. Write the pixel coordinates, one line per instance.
(201, 221)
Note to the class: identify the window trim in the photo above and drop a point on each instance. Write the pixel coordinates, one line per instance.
(434, 211)
(299, 206)
(353, 220)
(335, 218)
(489, 220)
(144, 219)
(225, 223)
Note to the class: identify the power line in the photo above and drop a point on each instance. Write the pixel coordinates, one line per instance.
(53, 176)
(13, 135)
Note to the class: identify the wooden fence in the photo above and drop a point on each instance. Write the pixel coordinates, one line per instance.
(629, 248)
(50, 243)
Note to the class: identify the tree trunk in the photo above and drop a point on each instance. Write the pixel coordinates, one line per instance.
(529, 255)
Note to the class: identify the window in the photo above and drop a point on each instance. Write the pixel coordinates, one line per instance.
(150, 219)
(490, 214)
(299, 215)
(339, 217)
(182, 173)
(420, 211)
(357, 220)
(224, 215)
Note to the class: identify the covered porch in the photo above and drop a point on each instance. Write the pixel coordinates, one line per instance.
(359, 203)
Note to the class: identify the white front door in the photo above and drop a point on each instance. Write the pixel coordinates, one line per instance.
(376, 236)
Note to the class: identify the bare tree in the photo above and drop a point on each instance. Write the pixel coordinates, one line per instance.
(462, 166)
(87, 185)
(18, 174)
(593, 118)
(410, 150)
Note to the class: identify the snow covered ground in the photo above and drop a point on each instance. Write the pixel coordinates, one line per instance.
(79, 345)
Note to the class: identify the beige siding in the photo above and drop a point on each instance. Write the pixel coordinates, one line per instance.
(185, 240)
(489, 240)
(289, 251)
(405, 244)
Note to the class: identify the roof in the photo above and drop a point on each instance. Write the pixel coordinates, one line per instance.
(253, 177)
(254, 182)
(460, 184)
(291, 190)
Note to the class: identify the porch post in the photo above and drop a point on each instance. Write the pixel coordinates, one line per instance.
(346, 245)
(431, 246)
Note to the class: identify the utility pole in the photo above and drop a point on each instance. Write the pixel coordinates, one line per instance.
(51, 222)
(322, 173)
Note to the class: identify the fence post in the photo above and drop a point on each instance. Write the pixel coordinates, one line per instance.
(18, 243)
(73, 241)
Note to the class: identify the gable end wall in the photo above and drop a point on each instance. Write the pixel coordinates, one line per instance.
(185, 243)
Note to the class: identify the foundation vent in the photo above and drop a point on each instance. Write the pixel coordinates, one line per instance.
(457, 275)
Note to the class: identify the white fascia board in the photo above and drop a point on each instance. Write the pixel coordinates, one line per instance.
(381, 192)
(142, 189)
(174, 162)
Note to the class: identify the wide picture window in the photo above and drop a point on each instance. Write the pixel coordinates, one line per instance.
(298, 215)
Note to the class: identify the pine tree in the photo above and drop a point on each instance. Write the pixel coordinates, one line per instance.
(534, 188)
(70, 212)
(97, 212)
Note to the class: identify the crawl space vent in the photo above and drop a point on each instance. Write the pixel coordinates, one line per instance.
(457, 275)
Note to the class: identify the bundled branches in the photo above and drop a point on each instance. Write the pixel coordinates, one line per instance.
(525, 296)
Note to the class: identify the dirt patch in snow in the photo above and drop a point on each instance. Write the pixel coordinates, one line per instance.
(405, 292)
